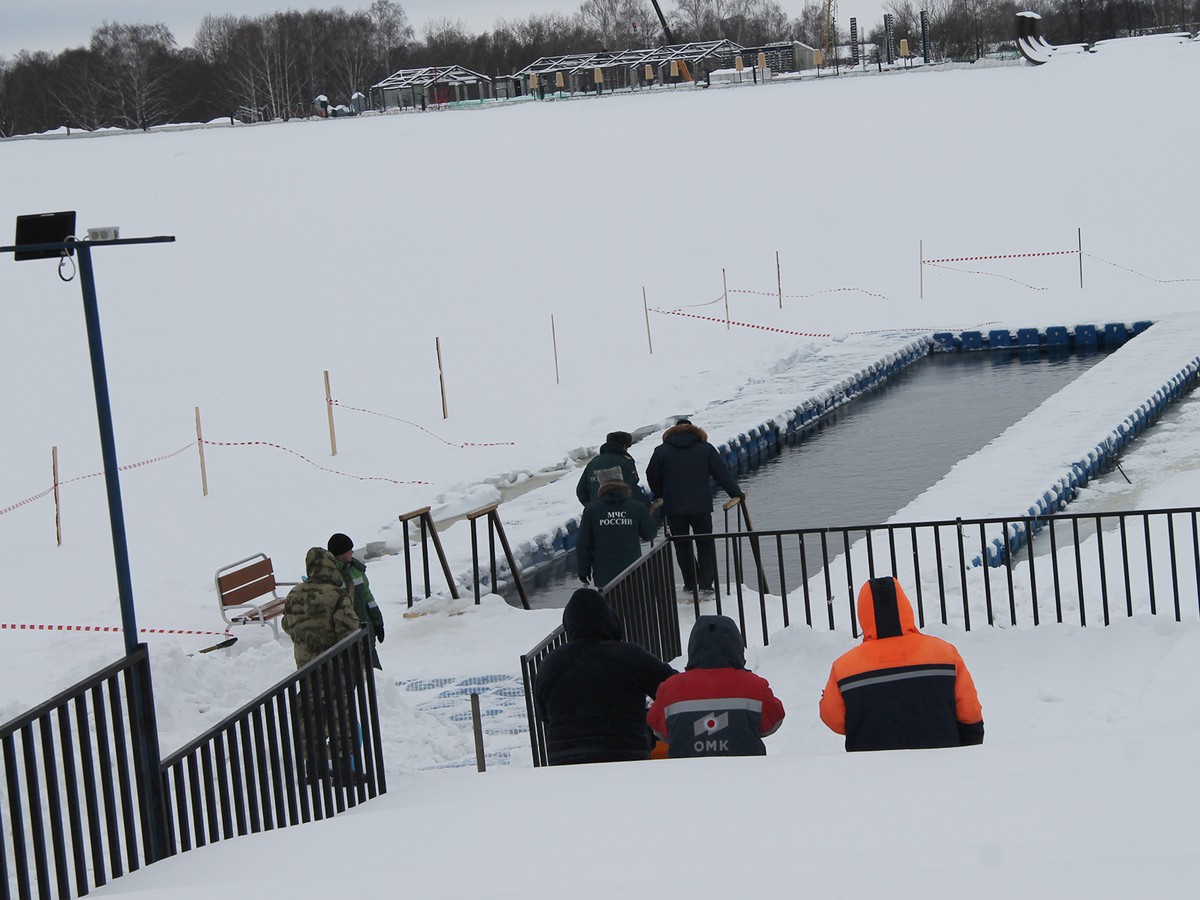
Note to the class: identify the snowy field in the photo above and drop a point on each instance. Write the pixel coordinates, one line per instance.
(355, 246)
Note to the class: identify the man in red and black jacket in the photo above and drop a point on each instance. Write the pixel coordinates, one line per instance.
(717, 707)
(899, 689)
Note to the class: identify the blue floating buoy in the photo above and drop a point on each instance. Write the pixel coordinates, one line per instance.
(1000, 337)
(1115, 334)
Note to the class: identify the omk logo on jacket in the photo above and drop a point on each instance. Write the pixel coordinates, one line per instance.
(710, 724)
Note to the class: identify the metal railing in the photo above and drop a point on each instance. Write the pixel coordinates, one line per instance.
(85, 796)
(75, 811)
(305, 750)
(1010, 572)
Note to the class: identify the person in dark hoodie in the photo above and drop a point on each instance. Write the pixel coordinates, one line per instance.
(614, 454)
(611, 531)
(591, 692)
(899, 689)
(716, 707)
(679, 474)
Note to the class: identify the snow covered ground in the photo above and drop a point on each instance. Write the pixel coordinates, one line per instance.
(353, 246)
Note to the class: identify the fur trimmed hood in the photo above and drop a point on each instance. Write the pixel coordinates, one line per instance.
(686, 428)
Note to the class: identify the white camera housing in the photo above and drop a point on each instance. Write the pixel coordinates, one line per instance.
(104, 233)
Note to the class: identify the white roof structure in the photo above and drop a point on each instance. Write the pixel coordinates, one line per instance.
(573, 63)
(428, 75)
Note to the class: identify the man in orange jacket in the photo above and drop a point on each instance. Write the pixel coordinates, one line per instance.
(899, 689)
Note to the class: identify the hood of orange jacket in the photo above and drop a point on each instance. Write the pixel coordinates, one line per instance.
(884, 610)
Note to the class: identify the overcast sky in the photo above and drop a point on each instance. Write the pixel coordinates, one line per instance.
(68, 23)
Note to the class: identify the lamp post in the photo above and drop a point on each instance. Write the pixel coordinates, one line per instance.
(145, 734)
(91, 313)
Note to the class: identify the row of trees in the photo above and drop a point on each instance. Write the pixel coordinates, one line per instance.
(273, 66)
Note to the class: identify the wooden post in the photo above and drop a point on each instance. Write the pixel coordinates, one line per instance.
(646, 310)
(437, 342)
(554, 341)
(329, 410)
(477, 727)
(778, 279)
(200, 447)
(57, 510)
(922, 243)
(1080, 236)
(725, 283)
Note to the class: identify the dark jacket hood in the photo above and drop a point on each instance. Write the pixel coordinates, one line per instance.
(884, 610)
(322, 567)
(716, 643)
(588, 616)
(684, 435)
(608, 447)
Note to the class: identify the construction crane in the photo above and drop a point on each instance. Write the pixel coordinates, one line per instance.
(828, 30)
(683, 69)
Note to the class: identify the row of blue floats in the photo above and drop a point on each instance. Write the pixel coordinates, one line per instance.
(1057, 337)
(1100, 459)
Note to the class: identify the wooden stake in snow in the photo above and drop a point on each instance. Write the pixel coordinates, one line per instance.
(477, 727)
(778, 274)
(646, 310)
(57, 511)
(554, 341)
(200, 447)
(922, 246)
(329, 410)
(437, 342)
(725, 282)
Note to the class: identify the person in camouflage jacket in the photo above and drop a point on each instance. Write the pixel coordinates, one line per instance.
(318, 613)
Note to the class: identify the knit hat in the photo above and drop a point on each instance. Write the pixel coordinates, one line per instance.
(339, 544)
(684, 421)
(622, 439)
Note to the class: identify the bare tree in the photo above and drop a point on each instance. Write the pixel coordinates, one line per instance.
(134, 60)
(391, 34)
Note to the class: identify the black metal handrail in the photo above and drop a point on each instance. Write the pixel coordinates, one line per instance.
(1065, 567)
(91, 768)
(85, 797)
(306, 749)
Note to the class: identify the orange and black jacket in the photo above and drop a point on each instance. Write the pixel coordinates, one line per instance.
(899, 689)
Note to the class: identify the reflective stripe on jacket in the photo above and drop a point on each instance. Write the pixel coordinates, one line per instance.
(899, 689)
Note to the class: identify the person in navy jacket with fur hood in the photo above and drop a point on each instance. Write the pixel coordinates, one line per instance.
(716, 707)
(680, 473)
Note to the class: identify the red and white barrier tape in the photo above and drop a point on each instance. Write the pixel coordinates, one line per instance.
(1140, 274)
(11, 626)
(124, 468)
(464, 444)
(1032, 287)
(209, 443)
(675, 312)
(951, 259)
(838, 290)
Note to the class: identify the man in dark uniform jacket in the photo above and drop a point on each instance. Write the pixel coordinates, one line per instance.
(614, 454)
(611, 531)
(678, 474)
(591, 692)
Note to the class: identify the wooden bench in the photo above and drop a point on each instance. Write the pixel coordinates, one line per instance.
(246, 592)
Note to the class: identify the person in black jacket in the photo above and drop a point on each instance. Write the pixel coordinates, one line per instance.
(611, 531)
(679, 474)
(591, 692)
(614, 454)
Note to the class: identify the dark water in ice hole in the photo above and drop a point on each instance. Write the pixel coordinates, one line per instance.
(873, 456)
